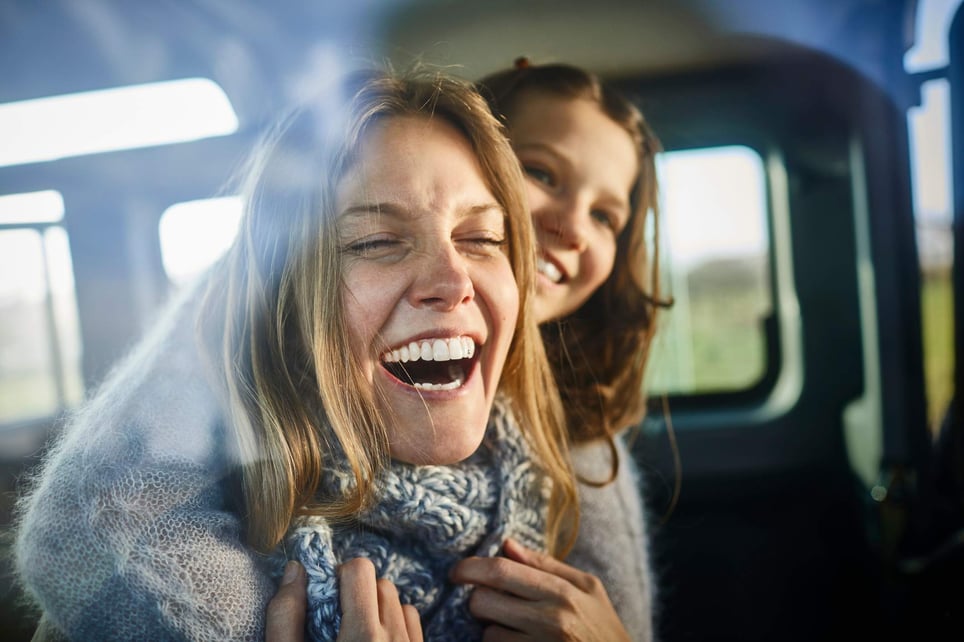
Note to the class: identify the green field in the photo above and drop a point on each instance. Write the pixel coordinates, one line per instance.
(714, 342)
(937, 321)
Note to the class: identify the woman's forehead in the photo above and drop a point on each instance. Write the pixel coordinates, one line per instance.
(415, 164)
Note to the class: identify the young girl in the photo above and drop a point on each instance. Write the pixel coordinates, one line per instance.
(588, 156)
(365, 368)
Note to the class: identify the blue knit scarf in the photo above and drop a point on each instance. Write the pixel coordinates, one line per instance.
(425, 519)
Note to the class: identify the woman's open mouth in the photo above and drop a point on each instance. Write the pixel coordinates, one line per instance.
(432, 364)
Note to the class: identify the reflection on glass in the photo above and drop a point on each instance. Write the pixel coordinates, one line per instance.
(31, 207)
(195, 234)
(159, 113)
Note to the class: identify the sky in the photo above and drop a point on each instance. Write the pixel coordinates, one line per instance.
(929, 126)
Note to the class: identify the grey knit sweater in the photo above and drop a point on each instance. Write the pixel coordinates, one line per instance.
(128, 533)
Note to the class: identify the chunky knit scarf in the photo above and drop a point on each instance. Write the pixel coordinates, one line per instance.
(424, 520)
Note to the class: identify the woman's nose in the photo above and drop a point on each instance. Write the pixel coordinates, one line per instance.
(442, 281)
(564, 222)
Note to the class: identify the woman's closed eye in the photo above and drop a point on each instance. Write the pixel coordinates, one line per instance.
(486, 243)
(371, 246)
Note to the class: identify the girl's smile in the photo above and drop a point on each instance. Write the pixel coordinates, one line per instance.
(580, 168)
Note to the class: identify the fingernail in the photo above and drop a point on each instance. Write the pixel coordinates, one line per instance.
(291, 572)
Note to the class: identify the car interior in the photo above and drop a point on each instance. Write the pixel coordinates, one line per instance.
(801, 462)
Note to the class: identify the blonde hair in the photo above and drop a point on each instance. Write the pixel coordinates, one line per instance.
(297, 399)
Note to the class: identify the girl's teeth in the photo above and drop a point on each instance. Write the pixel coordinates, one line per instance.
(549, 270)
(436, 350)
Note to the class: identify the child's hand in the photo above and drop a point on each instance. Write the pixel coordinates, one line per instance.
(370, 608)
(529, 594)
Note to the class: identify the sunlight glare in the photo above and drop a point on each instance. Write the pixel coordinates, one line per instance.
(55, 127)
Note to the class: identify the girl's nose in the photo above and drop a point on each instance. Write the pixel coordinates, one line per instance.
(443, 281)
(564, 222)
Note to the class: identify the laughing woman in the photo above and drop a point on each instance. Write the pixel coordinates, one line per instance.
(360, 377)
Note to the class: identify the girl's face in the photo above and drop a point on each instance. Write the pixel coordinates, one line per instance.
(580, 168)
(430, 297)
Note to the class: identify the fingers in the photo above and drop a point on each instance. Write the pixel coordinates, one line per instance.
(413, 623)
(389, 608)
(496, 633)
(532, 595)
(510, 593)
(513, 613)
(370, 607)
(358, 594)
(498, 573)
(545, 562)
(285, 617)
(509, 576)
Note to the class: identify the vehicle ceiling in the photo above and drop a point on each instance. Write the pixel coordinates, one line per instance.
(264, 53)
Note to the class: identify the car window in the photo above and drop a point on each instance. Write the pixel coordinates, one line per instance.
(716, 261)
(39, 335)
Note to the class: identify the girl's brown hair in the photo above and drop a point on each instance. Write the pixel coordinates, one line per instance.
(599, 352)
(297, 400)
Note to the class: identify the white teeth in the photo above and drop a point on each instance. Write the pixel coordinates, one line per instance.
(452, 385)
(455, 349)
(548, 269)
(435, 350)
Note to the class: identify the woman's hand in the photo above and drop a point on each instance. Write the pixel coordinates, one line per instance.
(285, 617)
(531, 595)
(370, 608)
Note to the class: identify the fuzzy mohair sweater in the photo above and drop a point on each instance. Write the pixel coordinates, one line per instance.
(612, 543)
(130, 532)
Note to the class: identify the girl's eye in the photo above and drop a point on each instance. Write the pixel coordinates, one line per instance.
(539, 175)
(605, 218)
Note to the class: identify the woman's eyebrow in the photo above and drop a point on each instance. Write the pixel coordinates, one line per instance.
(395, 210)
(482, 208)
(381, 209)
